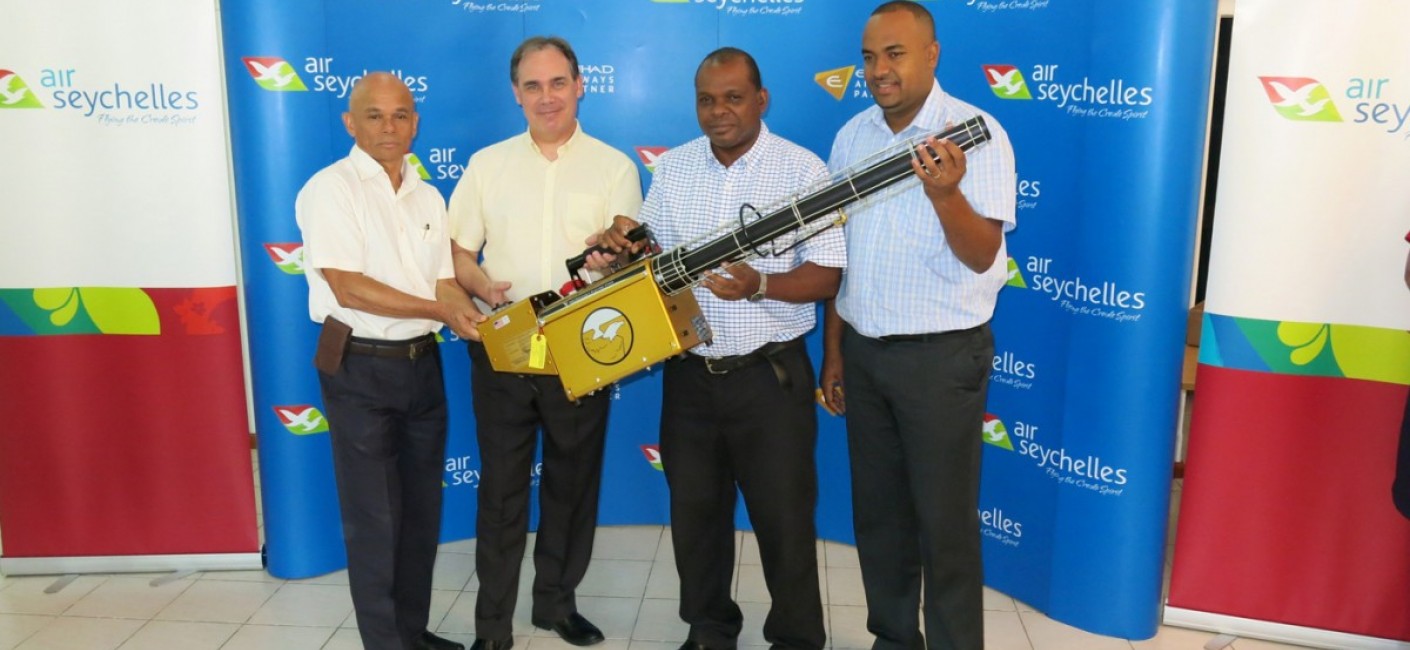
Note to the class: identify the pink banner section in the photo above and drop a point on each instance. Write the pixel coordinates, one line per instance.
(123, 444)
(1286, 514)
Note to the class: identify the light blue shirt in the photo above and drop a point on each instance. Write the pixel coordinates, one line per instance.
(693, 197)
(902, 277)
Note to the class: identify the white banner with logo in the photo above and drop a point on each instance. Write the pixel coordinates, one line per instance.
(122, 386)
(1287, 528)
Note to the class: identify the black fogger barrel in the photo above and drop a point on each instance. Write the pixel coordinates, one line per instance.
(679, 269)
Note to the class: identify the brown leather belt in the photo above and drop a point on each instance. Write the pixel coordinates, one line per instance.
(723, 365)
(404, 349)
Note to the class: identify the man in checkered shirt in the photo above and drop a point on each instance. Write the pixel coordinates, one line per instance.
(739, 411)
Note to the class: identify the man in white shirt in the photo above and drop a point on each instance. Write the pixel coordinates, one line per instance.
(527, 204)
(911, 331)
(380, 279)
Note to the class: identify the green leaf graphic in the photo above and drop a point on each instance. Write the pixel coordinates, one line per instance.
(1306, 339)
(121, 310)
(1373, 353)
(61, 302)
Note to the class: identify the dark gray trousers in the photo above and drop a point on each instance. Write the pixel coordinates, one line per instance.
(915, 411)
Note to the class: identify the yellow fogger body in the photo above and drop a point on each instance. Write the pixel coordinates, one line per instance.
(602, 333)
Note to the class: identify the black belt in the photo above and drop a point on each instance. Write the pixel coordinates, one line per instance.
(723, 365)
(404, 349)
(928, 336)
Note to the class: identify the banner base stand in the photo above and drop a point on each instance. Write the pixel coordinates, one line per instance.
(1280, 632)
(35, 566)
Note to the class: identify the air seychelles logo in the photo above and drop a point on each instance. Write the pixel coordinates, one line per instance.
(1301, 98)
(653, 456)
(440, 165)
(648, 156)
(1085, 471)
(999, 527)
(461, 470)
(416, 165)
(15, 93)
(1012, 371)
(1112, 98)
(288, 257)
(1006, 82)
(1028, 192)
(277, 74)
(301, 419)
(1305, 99)
(113, 103)
(1083, 296)
(995, 433)
(274, 73)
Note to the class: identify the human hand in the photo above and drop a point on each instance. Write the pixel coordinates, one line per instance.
(829, 392)
(940, 172)
(735, 282)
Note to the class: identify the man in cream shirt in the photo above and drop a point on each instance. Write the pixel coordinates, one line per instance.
(528, 203)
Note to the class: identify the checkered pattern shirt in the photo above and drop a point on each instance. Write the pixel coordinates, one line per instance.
(693, 197)
(902, 277)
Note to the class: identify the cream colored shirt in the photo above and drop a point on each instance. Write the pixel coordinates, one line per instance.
(528, 214)
(352, 221)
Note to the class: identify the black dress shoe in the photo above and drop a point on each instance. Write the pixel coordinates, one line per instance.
(574, 629)
(491, 644)
(696, 645)
(430, 641)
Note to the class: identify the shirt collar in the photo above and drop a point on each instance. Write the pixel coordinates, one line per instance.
(368, 168)
(931, 117)
(562, 148)
(761, 143)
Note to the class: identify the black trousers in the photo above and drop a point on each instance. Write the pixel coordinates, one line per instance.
(915, 411)
(387, 424)
(744, 430)
(509, 411)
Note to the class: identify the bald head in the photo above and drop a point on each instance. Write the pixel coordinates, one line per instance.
(378, 81)
(382, 119)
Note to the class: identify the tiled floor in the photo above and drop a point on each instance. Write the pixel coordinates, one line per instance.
(629, 592)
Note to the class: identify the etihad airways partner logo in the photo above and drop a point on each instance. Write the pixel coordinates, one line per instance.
(843, 82)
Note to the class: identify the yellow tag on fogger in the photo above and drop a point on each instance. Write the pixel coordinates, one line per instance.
(538, 351)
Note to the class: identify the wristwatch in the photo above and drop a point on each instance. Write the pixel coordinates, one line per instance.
(763, 287)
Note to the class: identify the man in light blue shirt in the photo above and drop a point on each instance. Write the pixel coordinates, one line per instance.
(909, 332)
(738, 414)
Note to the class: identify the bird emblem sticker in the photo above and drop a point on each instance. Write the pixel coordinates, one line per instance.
(607, 336)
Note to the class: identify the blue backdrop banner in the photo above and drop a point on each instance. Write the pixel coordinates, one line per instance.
(1105, 103)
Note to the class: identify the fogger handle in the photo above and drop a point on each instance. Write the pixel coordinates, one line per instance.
(576, 263)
